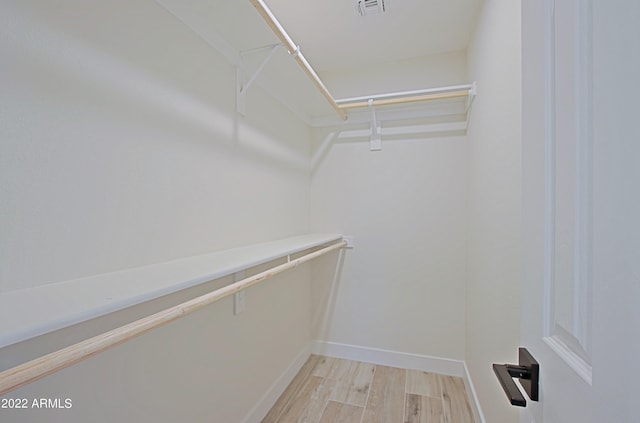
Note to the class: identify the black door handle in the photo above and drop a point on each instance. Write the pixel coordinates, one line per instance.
(527, 370)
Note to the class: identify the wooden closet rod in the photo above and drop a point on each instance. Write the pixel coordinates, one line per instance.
(33, 370)
(294, 50)
(454, 91)
(400, 100)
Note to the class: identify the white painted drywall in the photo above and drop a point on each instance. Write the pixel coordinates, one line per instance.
(420, 72)
(208, 366)
(120, 147)
(402, 287)
(494, 206)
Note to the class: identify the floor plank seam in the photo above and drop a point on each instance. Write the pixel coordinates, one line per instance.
(444, 409)
(366, 402)
(404, 397)
(336, 390)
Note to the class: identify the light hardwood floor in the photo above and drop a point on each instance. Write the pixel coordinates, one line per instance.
(330, 390)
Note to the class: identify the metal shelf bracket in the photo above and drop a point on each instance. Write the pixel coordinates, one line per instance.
(241, 85)
(375, 139)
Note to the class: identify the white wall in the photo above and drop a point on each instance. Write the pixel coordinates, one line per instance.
(420, 72)
(120, 147)
(208, 366)
(494, 207)
(402, 287)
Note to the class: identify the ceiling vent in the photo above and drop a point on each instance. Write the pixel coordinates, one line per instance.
(371, 7)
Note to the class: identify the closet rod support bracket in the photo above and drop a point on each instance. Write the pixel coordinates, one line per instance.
(473, 91)
(349, 240)
(242, 86)
(375, 141)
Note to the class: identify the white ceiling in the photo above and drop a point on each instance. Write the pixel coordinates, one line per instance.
(331, 35)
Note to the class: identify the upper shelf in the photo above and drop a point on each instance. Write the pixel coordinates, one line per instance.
(32, 312)
(237, 29)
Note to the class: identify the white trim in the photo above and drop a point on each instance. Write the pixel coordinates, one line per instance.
(379, 356)
(472, 396)
(445, 366)
(573, 344)
(571, 358)
(264, 404)
(549, 167)
(583, 178)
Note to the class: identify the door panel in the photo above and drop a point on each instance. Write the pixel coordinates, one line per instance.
(581, 202)
(568, 171)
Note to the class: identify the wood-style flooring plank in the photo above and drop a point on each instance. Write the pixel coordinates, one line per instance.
(386, 396)
(335, 390)
(291, 390)
(323, 366)
(337, 412)
(456, 407)
(310, 402)
(353, 380)
(422, 409)
(423, 383)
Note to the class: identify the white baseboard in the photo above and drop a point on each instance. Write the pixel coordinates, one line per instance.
(425, 363)
(478, 415)
(260, 410)
(445, 366)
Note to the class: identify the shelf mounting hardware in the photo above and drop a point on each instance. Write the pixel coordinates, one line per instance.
(295, 52)
(472, 95)
(375, 142)
(242, 86)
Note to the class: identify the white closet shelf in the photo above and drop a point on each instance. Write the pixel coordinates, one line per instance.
(31, 312)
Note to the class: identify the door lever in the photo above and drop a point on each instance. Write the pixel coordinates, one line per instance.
(527, 371)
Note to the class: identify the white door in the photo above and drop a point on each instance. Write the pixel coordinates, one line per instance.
(581, 202)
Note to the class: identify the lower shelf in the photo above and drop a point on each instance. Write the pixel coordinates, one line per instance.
(32, 312)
